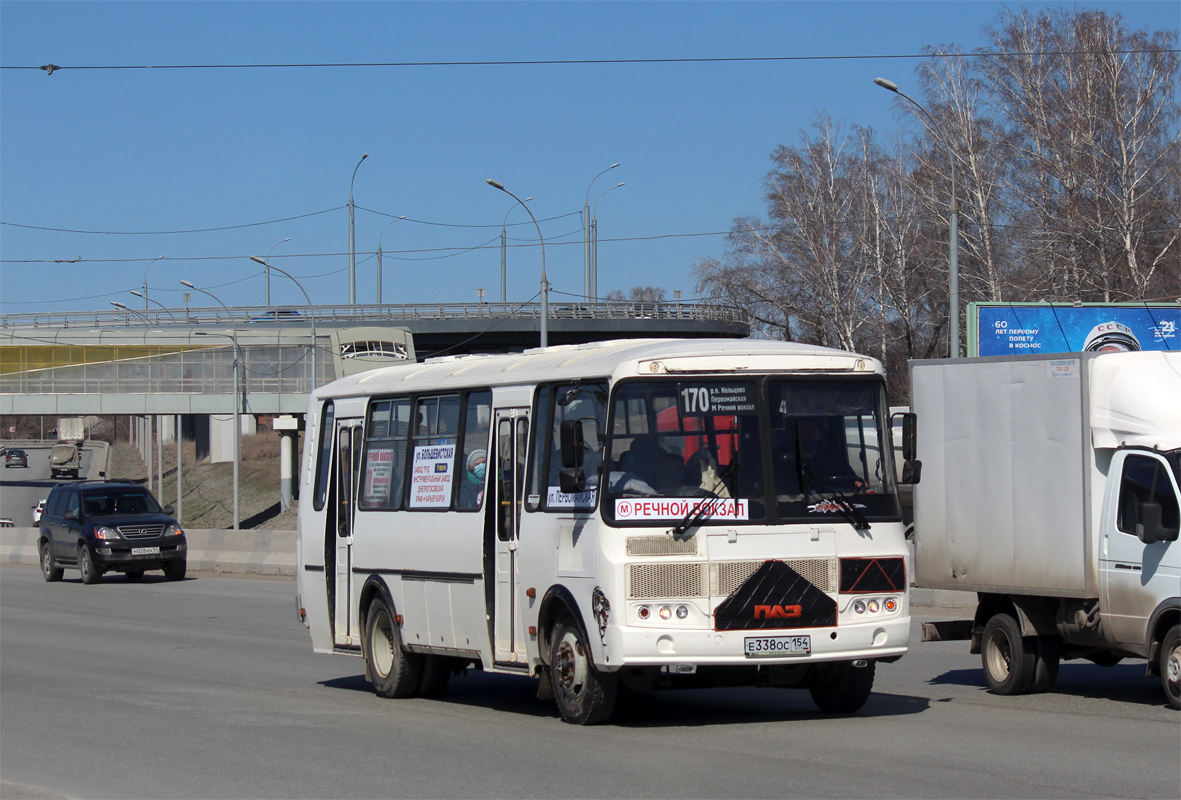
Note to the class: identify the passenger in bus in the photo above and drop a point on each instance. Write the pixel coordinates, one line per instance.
(637, 468)
(471, 491)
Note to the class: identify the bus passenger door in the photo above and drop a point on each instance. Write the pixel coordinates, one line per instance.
(346, 464)
(512, 433)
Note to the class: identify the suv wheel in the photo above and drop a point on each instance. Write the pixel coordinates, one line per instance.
(90, 572)
(175, 570)
(49, 568)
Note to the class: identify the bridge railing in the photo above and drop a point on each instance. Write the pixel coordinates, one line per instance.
(362, 314)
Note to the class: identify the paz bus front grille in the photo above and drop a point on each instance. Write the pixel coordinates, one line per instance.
(718, 579)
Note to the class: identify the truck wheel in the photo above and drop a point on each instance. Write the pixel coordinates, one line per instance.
(49, 569)
(841, 688)
(90, 573)
(393, 671)
(584, 695)
(1170, 666)
(1009, 658)
(1045, 669)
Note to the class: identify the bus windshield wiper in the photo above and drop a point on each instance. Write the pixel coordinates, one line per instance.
(694, 515)
(825, 489)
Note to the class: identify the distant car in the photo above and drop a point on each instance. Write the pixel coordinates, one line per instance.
(7, 523)
(38, 510)
(110, 526)
(16, 457)
(277, 315)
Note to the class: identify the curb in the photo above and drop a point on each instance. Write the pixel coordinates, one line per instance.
(240, 552)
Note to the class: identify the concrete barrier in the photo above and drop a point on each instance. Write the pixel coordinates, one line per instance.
(241, 552)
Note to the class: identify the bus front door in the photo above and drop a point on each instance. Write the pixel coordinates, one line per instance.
(345, 465)
(512, 433)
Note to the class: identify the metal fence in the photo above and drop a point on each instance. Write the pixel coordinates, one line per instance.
(363, 314)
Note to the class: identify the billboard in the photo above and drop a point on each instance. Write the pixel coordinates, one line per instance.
(1006, 329)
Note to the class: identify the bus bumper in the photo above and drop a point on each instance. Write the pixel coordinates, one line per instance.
(635, 646)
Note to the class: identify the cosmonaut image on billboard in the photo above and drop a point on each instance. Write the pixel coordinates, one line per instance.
(1006, 330)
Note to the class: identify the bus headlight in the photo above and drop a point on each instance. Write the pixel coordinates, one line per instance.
(859, 606)
(682, 612)
(666, 612)
(873, 606)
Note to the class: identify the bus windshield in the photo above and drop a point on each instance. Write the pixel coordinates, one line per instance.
(785, 450)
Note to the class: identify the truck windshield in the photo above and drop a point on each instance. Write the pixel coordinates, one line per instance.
(736, 445)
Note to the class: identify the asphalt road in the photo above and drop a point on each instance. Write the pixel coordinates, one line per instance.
(22, 487)
(209, 688)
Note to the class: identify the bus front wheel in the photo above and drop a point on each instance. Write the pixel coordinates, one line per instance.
(584, 695)
(393, 671)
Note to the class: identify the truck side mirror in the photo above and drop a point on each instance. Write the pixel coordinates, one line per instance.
(572, 446)
(1150, 529)
(912, 468)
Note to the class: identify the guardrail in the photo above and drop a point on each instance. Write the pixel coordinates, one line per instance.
(362, 314)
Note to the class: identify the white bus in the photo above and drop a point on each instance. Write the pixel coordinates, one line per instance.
(652, 513)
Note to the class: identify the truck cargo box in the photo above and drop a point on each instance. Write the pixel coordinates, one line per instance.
(1005, 486)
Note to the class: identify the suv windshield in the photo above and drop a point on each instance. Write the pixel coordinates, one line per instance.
(788, 450)
(108, 501)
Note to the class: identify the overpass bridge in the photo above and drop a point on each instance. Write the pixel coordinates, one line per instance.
(180, 361)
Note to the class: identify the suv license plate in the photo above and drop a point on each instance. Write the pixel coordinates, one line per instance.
(777, 646)
(145, 551)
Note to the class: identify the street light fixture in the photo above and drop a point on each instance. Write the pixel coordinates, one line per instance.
(504, 252)
(148, 267)
(391, 222)
(157, 302)
(594, 283)
(953, 256)
(587, 268)
(233, 335)
(544, 282)
(122, 307)
(311, 316)
(352, 239)
(267, 271)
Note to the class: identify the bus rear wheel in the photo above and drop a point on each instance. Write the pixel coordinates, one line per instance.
(393, 671)
(584, 695)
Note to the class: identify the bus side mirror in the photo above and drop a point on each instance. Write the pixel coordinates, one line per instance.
(571, 478)
(912, 468)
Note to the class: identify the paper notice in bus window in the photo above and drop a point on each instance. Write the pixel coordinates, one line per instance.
(430, 482)
(379, 470)
(670, 508)
(556, 498)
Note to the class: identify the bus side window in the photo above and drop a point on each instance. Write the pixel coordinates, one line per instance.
(324, 459)
(383, 467)
(473, 462)
(433, 464)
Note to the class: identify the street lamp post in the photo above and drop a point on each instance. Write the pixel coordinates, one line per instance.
(157, 302)
(233, 335)
(587, 268)
(267, 271)
(311, 317)
(594, 272)
(148, 267)
(544, 282)
(352, 239)
(122, 307)
(504, 252)
(953, 256)
(391, 222)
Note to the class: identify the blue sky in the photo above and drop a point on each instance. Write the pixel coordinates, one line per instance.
(133, 153)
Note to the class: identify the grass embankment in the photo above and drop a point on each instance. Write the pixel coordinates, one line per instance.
(209, 488)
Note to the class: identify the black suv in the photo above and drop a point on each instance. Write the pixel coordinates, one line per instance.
(103, 526)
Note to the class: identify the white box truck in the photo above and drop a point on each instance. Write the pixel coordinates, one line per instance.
(1050, 488)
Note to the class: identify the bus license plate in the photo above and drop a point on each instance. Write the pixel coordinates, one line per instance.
(145, 551)
(777, 646)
